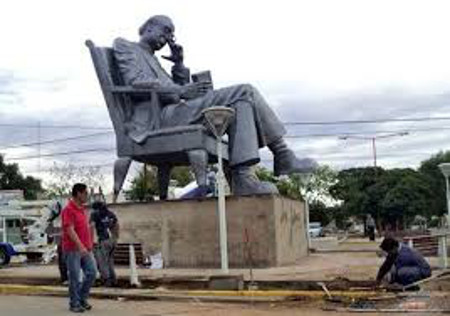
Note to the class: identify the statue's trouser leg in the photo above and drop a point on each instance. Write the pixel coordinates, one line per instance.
(255, 125)
(243, 136)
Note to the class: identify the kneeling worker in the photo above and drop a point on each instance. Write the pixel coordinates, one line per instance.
(403, 265)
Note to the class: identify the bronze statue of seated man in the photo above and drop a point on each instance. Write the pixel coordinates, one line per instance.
(254, 126)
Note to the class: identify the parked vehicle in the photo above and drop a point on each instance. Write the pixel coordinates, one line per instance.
(6, 252)
(23, 231)
(315, 229)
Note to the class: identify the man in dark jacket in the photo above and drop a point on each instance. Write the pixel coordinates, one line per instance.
(107, 229)
(403, 265)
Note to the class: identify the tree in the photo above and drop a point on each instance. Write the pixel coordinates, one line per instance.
(393, 197)
(436, 181)
(356, 189)
(407, 199)
(144, 185)
(319, 212)
(314, 186)
(182, 175)
(12, 179)
(64, 176)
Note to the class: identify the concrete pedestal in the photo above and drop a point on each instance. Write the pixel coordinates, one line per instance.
(263, 231)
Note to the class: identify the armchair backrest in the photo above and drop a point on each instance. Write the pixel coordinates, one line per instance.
(109, 77)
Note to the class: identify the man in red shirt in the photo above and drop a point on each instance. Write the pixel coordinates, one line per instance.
(77, 248)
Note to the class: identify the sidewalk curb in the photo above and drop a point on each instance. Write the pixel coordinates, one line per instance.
(204, 295)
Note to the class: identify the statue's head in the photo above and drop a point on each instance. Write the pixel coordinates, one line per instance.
(157, 31)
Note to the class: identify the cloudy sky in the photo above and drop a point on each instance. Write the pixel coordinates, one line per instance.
(315, 61)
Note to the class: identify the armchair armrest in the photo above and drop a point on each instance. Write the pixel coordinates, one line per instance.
(130, 89)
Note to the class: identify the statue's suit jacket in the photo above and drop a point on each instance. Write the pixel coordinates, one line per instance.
(138, 65)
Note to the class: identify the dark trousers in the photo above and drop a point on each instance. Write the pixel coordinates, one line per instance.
(371, 233)
(61, 264)
(104, 255)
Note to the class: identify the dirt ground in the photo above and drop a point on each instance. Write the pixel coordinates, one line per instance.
(40, 306)
(317, 266)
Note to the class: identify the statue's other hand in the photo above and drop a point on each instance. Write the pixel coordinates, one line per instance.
(177, 54)
(195, 90)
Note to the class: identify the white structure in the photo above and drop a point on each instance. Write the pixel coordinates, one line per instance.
(134, 277)
(217, 119)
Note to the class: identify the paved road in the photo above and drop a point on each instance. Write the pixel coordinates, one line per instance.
(45, 306)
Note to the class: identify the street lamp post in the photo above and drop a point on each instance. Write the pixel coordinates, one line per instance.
(306, 177)
(374, 151)
(217, 119)
(445, 169)
(373, 140)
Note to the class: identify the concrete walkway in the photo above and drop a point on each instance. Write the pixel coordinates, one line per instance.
(320, 266)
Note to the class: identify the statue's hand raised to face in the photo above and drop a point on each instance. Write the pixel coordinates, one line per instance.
(177, 55)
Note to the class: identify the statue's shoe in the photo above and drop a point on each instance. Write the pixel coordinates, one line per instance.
(245, 182)
(287, 163)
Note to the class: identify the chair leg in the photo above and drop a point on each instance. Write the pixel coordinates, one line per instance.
(163, 180)
(199, 161)
(121, 166)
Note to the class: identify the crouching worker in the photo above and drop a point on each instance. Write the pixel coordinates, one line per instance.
(107, 228)
(403, 265)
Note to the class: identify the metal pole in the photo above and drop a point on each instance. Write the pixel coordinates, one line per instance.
(308, 237)
(221, 205)
(3, 219)
(447, 188)
(39, 147)
(374, 148)
(144, 184)
(443, 245)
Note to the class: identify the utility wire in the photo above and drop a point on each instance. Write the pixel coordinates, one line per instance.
(330, 157)
(416, 119)
(335, 134)
(362, 158)
(55, 126)
(100, 166)
(57, 140)
(112, 149)
(343, 122)
(66, 153)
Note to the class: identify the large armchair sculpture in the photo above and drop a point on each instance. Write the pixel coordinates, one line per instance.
(164, 148)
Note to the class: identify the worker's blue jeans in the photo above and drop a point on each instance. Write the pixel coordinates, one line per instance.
(408, 275)
(79, 291)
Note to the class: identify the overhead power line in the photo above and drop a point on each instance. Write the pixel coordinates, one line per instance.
(335, 134)
(389, 120)
(100, 166)
(66, 153)
(336, 122)
(112, 149)
(55, 126)
(57, 140)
